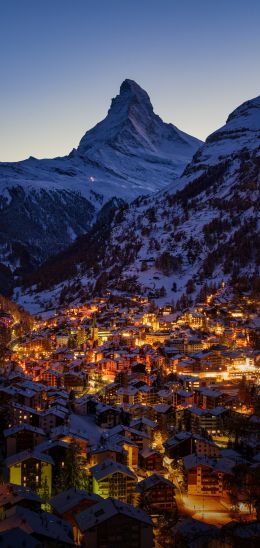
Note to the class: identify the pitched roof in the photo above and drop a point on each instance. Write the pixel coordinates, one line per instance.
(21, 427)
(18, 538)
(28, 454)
(105, 510)
(45, 524)
(67, 500)
(108, 467)
(153, 480)
(11, 494)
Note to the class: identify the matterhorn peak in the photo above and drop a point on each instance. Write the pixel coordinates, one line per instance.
(131, 88)
(131, 96)
(133, 135)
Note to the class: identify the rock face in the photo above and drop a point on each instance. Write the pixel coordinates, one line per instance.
(204, 228)
(45, 204)
(136, 145)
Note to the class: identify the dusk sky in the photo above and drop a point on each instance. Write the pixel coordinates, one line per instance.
(63, 60)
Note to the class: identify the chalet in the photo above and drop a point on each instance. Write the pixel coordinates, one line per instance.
(31, 469)
(51, 377)
(65, 434)
(113, 523)
(209, 420)
(57, 450)
(46, 528)
(70, 502)
(179, 445)
(208, 398)
(113, 478)
(128, 395)
(191, 532)
(22, 437)
(52, 418)
(148, 394)
(15, 495)
(130, 450)
(107, 416)
(207, 476)
(145, 425)
(23, 414)
(163, 414)
(100, 453)
(182, 398)
(109, 393)
(158, 493)
(150, 459)
(75, 380)
(205, 447)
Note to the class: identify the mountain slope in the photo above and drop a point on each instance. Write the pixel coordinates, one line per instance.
(136, 144)
(173, 243)
(45, 204)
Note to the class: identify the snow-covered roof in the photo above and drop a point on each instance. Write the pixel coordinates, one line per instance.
(109, 467)
(94, 516)
(45, 524)
(12, 494)
(25, 455)
(21, 427)
(67, 500)
(151, 481)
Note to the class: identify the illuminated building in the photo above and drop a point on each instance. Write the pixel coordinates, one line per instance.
(206, 476)
(113, 479)
(159, 491)
(31, 469)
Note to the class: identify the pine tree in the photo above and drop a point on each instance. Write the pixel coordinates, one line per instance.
(72, 475)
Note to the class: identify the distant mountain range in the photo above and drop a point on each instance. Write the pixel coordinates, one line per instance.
(200, 231)
(45, 204)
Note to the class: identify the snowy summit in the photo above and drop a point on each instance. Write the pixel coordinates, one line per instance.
(131, 152)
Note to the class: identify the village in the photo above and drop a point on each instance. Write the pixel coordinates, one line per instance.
(131, 422)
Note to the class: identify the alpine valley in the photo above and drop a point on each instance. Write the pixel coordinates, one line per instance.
(151, 210)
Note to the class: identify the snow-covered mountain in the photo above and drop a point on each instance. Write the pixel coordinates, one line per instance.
(134, 144)
(45, 204)
(174, 242)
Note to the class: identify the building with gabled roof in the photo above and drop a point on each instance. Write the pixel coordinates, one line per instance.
(158, 493)
(207, 476)
(45, 527)
(112, 478)
(71, 502)
(31, 469)
(16, 495)
(22, 437)
(114, 523)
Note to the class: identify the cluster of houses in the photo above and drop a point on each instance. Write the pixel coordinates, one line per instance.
(151, 407)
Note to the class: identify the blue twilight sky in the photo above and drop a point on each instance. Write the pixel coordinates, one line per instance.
(61, 62)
